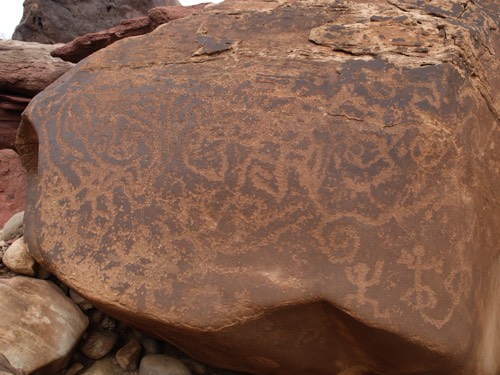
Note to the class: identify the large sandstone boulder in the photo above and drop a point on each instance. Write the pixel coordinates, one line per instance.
(279, 187)
(47, 21)
(39, 327)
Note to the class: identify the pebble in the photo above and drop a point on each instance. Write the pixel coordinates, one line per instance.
(159, 364)
(96, 316)
(13, 227)
(129, 355)
(17, 258)
(98, 343)
(107, 366)
(108, 323)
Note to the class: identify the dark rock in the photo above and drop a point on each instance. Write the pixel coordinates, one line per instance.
(150, 346)
(85, 45)
(283, 200)
(50, 22)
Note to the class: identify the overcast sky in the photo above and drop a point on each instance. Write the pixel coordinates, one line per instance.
(11, 12)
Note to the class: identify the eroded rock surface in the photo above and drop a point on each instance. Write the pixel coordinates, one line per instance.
(289, 187)
(50, 22)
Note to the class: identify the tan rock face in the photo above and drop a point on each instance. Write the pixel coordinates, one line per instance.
(283, 188)
(39, 327)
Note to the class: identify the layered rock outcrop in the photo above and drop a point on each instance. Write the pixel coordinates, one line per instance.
(289, 187)
(25, 70)
(87, 44)
(50, 22)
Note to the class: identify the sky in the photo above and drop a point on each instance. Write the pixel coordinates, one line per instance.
(11, 12)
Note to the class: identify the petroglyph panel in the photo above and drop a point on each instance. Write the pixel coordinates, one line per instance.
(211, 191)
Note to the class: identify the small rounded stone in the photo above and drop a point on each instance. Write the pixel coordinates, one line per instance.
(96, 316)
(106, 366)
(13, 227)
(17, 258)
(98, 343)
(159, 364)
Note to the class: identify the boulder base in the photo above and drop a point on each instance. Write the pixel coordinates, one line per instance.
(280, 187)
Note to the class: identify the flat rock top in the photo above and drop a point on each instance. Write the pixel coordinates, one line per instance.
(261, 155)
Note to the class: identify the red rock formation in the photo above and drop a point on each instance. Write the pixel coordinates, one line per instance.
(12, 185)
(284, 187)
(11, 107)
(85, 45)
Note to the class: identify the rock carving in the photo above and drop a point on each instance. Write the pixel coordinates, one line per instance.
(255, 174)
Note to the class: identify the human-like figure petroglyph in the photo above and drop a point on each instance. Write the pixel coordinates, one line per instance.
(358, 275)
